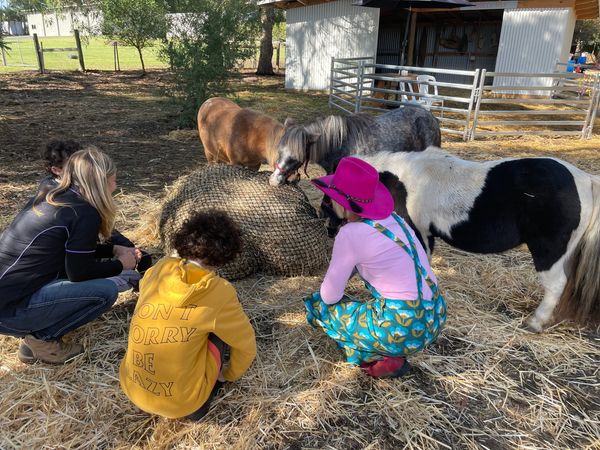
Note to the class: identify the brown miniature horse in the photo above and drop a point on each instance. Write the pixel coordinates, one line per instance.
(237, 136)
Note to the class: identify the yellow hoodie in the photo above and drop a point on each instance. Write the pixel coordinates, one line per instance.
(168, 369)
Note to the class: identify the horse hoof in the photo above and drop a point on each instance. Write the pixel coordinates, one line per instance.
(534, 325)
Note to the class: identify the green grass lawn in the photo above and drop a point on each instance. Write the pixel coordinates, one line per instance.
(97, 53)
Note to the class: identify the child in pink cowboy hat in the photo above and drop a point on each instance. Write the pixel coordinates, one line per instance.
(406, 311)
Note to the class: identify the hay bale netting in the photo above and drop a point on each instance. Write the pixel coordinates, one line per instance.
(281, 232)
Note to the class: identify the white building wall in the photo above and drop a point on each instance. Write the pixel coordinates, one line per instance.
(63, 24)
(90, 21)
(43, 24)
(51, 24)
(533, 41)
(35, 24)
(316, 33)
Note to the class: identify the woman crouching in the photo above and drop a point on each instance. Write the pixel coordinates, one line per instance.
(52, 280)
(406, 311)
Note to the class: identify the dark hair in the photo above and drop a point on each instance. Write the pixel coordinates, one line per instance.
(57, 152)
(210, 237)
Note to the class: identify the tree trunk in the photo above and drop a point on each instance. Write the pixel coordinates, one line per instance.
(265, 59)
(141, 60)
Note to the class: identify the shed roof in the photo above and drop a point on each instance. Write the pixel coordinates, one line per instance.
(584, 9)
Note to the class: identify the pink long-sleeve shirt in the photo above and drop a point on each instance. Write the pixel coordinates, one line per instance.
(378, 259)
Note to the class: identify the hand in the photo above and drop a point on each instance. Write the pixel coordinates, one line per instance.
(119, 250)
(128, 260)
(221, 378)
(138, 254)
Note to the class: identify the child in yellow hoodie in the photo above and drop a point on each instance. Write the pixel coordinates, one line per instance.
(185, 318)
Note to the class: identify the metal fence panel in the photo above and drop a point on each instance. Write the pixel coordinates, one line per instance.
(568, 106)
(367, 86)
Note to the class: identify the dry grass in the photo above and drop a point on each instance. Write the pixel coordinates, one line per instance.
(486, 383)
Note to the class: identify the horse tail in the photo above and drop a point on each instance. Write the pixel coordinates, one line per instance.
(580, 299)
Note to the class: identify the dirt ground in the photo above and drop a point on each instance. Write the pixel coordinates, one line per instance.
(486, 383)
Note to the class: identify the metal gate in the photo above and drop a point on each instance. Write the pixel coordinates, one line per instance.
(484, 104)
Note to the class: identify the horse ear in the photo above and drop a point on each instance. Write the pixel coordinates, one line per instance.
(288, 122)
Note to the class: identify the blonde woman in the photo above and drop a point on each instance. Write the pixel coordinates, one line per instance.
(51, 278)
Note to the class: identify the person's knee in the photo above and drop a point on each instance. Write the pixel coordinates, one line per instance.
(107, 291)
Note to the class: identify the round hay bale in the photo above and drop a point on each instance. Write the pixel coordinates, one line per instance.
(281, 233)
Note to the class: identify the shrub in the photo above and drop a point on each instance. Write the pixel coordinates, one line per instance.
(205, 44)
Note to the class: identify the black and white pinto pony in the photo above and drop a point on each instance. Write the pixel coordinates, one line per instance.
(326, 141)
(493, 206)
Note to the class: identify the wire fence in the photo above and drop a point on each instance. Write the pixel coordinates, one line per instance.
(21, 53)
(98, 53)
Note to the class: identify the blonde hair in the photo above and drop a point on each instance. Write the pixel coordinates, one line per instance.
(87, 171)
(342, 212)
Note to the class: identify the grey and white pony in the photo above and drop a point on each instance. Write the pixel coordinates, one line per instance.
(326, 141)
(493, 206)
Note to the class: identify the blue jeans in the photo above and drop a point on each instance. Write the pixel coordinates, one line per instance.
(60, 307)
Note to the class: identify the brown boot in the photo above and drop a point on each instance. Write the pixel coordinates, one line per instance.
(51, 352)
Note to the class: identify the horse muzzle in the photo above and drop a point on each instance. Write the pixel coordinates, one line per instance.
(278, 178)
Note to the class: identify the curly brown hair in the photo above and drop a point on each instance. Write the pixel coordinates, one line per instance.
(57, 152)
(210, 237)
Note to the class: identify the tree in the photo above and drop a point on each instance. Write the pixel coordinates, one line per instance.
(4, 16)
(206, 44)
(134, 22)
(269, 16)
(265, 59)
(587, 37)
(3, 44)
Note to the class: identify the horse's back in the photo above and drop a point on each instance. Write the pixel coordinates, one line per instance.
(235, 135)
(490, 206)
(215, 106)
(530, 200)
(409, 128)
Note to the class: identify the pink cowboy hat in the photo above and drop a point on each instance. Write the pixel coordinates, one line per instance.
(355, 185)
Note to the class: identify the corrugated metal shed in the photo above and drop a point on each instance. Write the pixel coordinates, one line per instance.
(316, 33)
(533, 41)
(478, 43)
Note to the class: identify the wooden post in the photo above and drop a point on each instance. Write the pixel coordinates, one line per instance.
(116, 56)
(79, 51)
(411, 39)
(4, 57)
(38, 53)
(278, 53)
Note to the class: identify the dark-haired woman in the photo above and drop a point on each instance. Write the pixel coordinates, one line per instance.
(185, 318)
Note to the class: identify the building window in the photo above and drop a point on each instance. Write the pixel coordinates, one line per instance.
(33, 27)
